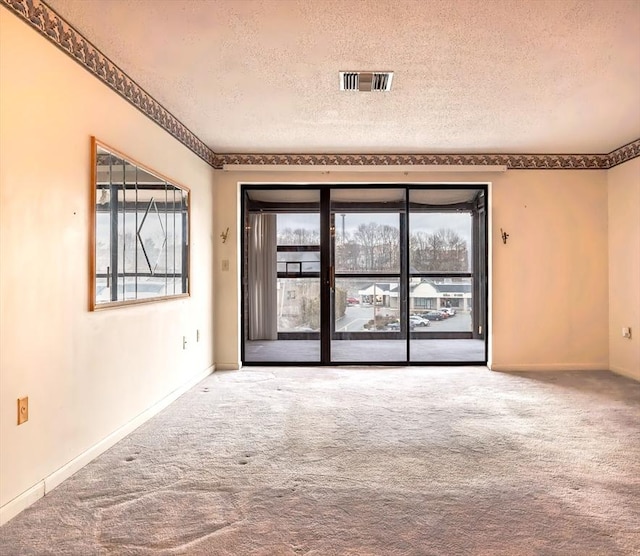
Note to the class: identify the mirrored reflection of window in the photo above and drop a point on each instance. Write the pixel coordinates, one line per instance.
(141, 233)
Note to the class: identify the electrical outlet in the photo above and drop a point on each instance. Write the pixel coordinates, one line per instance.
(225, 265)
(626, 332)
(23, 410)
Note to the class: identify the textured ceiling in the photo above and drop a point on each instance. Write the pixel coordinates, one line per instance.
(472, 76)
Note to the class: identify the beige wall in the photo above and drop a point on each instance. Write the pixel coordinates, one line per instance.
(549, 283)
(86, 374)
(555, 302)
(624, 267)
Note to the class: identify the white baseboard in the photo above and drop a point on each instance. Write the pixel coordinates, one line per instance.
(21, 502)
(625, 372)
(46, 485)
(548, 367)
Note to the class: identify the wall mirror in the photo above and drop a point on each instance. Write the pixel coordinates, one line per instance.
(140, 247)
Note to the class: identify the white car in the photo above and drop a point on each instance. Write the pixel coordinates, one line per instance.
(416, 320)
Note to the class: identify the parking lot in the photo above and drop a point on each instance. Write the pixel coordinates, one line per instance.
(357, 316)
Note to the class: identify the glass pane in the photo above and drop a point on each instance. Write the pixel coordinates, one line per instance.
(298, 228)
(298, 305)
(440, 307)
(367, 242)
(183, 286)
(130, 229)
(141, 232)
(440, 242)
(176, 239)
(117, 182)
(367, 321)
(446, 303)
(103, 226)
(298, 261)
(169, 241)
(365, 306)
(151, 242)
(282, 308)
(103, 252)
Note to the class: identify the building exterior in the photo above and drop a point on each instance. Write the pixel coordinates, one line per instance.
(423, 295)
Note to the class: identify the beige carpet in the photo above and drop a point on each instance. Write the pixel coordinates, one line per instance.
(400, 461)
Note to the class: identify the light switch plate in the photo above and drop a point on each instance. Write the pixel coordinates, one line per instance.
(23, 410)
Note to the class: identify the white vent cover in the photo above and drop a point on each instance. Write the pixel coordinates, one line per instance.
(366, 81)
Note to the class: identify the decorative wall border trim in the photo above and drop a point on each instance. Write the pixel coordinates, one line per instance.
(56, 29)
(511, 161)
(52, 26)
(624, 153)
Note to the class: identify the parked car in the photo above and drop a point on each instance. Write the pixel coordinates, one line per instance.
(353, 301)
(394, 326)
(433, 315)
(417, 320)
(449, 310)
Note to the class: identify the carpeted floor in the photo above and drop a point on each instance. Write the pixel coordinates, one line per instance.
(371, 461)
(366, 351)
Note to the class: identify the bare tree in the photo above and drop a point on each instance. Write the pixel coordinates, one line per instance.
(365, 237)
(443, 250)
(379, 247)
(298, 236)
(376, 247)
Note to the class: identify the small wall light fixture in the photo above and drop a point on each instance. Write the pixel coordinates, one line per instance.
(224, 235)
(504, 235)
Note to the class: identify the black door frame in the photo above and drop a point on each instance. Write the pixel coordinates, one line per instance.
(480, 257)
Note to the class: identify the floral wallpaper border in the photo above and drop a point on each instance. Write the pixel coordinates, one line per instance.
(49, 24)
(624, 153)
(511, 161)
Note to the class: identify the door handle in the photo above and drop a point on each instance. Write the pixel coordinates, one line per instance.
(332, 277)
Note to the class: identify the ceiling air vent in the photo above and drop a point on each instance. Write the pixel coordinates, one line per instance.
(366, 81)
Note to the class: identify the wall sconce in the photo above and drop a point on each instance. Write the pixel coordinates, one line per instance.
(504, 235)
(224, 235)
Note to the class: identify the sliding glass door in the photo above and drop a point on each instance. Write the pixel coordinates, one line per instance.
(368, 290)
(281, 301)
(364, 274)
(445, 275)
